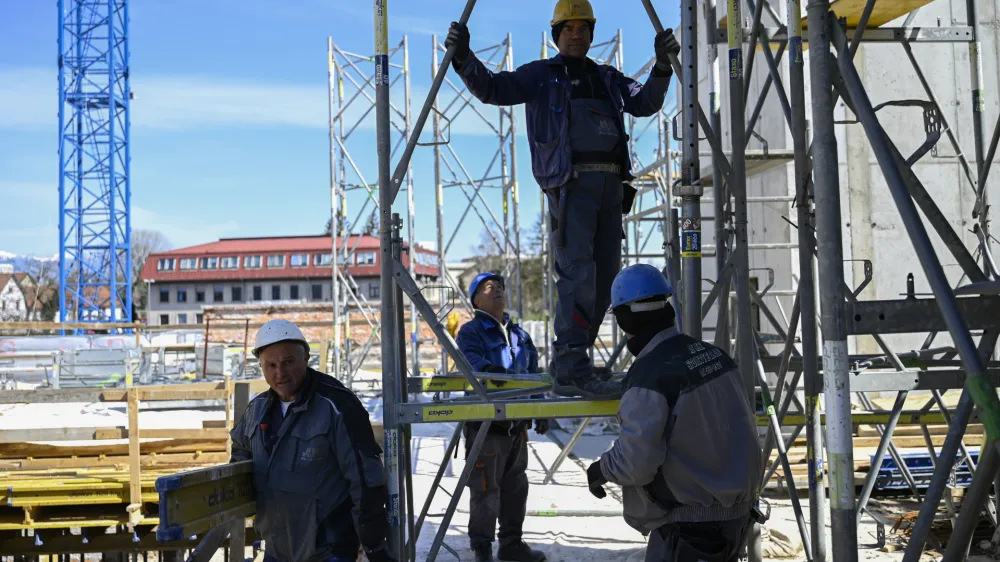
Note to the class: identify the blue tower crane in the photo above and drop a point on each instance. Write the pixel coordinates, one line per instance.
(95, 269)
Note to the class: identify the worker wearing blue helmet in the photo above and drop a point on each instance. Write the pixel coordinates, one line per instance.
(687, 459)
(498, 485)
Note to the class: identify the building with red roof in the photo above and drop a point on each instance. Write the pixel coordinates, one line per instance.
(286, 269)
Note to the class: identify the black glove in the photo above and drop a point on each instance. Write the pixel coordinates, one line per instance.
(628, 198)
(596, 480)
(458, 35)
(541, 426)
(380, 555)
(665, 44)
(499, 371)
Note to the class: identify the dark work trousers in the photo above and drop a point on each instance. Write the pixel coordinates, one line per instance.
(718, 541)
(498, 489)
(586, 215)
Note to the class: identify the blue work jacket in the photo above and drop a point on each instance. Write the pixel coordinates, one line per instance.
(543, 86)
(485, 342)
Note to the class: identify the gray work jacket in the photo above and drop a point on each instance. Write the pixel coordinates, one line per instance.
(321, 489)
(688, 449)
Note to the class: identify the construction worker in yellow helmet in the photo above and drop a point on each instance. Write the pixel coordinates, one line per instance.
(579, 156)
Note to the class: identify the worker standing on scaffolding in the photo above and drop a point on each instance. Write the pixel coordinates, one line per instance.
(687, 458)
(317, 472)
(498, 485)
(579, 156)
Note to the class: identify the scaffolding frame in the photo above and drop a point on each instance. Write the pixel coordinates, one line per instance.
(349, 89)
(499, 174)
(816, 198)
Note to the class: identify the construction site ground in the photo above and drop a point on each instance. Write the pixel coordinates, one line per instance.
(563, 538)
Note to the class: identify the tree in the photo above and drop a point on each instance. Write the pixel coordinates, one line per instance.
(144, 243)
(40, 287)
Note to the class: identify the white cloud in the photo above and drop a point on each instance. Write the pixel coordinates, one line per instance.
(36, 193)
(166, 102)
(183, 230)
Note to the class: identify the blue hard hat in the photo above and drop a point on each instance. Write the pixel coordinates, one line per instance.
(637, 282)
(482, 277)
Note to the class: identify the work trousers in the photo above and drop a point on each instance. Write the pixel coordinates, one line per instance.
(712, 541)
(498, 489)
(586, 237)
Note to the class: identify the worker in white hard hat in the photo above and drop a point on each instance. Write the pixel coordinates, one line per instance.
(579, 156)
(318, 476)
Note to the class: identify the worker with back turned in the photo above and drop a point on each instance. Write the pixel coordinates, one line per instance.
(687, 458)
(579, 156)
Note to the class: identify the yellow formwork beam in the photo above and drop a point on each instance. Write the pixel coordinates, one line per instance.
(884, 12)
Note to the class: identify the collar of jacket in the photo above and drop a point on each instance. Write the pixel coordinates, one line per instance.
(659, 338)
(557, 59)
(305, 393)
(490, 321)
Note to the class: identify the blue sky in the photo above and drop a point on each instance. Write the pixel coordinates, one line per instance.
(229, 121)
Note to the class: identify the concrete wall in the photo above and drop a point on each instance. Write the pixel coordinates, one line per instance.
(871, 225)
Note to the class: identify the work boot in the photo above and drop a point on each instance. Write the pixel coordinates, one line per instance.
(589, 387)
(603, 373)
(519, 552)
(483, 552)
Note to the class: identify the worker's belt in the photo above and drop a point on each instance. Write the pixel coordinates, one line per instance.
(598, 167)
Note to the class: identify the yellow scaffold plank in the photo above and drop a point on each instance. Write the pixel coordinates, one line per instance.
(535, 409)
(459, 384)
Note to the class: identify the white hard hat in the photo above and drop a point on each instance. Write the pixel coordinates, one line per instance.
(275, 331)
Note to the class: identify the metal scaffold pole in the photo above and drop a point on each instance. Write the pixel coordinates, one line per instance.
(689, 189)
(720, 192)
(807, 285)
(439, 198)
(334, 214)
(826, 179)
(390, 368)
(411, 216)
(737, 186)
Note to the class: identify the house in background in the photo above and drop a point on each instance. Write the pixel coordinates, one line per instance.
(255, 271)
(20, 298)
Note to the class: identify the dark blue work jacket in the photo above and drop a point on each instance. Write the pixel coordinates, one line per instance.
(486, 343)
(544, 87)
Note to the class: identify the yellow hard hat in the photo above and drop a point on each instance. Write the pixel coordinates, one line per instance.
(567, 10)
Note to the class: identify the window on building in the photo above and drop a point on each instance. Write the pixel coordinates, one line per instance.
(182, 318)
(210, 263)
(258, 293)
(199, 295)
(345, 260)
(275, 262)
(373, 290)
(236, 293)
(317, 292)
(164, 295)
(320, 260)
(165, 264)
(252, 262)
(293, 292)
(230, 262)
(366, 258)
(300, 260)
(218, 293)
(164, 319)
(199, 318)
(182, 295)
(188, 264)
(276, 292)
